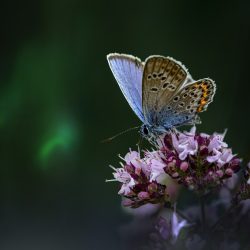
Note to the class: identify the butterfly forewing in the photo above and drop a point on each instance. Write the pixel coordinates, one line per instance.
(128, 71)
(162, 78)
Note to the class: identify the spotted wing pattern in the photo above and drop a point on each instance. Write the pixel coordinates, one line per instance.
(162, 78)
(187, 103)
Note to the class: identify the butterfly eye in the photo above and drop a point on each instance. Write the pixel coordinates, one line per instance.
(145, 130)
(181, 104)
(169, 108)
(154, 75)
(185, 95)
(149, 77)
(160, 75)
(188, 107)
(163, 78)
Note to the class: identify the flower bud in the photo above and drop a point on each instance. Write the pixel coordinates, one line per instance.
(229, 171)
(143, 195)
(219, 173)
(152, 187)
(184, 166)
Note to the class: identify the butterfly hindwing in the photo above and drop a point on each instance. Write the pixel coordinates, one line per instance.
(195, 97)
(128, 71)
(187, 103)
(162, 78)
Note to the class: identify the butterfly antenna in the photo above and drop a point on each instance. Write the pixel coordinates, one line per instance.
(121, 133)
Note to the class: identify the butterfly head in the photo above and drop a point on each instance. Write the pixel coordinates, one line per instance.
(145, 131)
(149, 132)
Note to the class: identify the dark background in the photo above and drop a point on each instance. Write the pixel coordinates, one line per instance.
(58, 100)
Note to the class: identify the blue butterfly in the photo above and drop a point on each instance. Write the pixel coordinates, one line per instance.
(160, 91)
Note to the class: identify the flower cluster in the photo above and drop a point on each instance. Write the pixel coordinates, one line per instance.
(139, 180)
(247, 174)
(170, 229)
(244, 189)
(199, 161)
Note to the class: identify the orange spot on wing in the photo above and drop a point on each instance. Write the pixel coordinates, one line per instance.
(203, 101)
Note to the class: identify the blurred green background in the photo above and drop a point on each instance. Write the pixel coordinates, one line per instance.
(58, 100)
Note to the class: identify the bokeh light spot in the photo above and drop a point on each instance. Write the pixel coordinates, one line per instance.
(62, 138)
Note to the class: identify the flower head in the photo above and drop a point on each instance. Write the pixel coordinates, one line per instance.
(139, 179)
(243, 193)
(199, 161)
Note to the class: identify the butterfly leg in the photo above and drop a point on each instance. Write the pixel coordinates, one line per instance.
(195, 120)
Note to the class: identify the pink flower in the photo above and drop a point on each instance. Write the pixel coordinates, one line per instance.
(225, 157)
(164, 228)
(185, 144)
(214, 157)
(132, 157)
(170, 229)
(177, 225)
(217, 142)
(221, 157)
(124, 177)
(154, 160)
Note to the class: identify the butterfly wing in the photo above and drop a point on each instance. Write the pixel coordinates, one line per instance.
(162, 78)
(187, 103)
(128, 71)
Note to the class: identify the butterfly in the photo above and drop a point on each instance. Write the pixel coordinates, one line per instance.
(161, 91)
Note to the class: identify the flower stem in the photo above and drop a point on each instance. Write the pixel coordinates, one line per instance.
(222, 218)
(203, 212)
